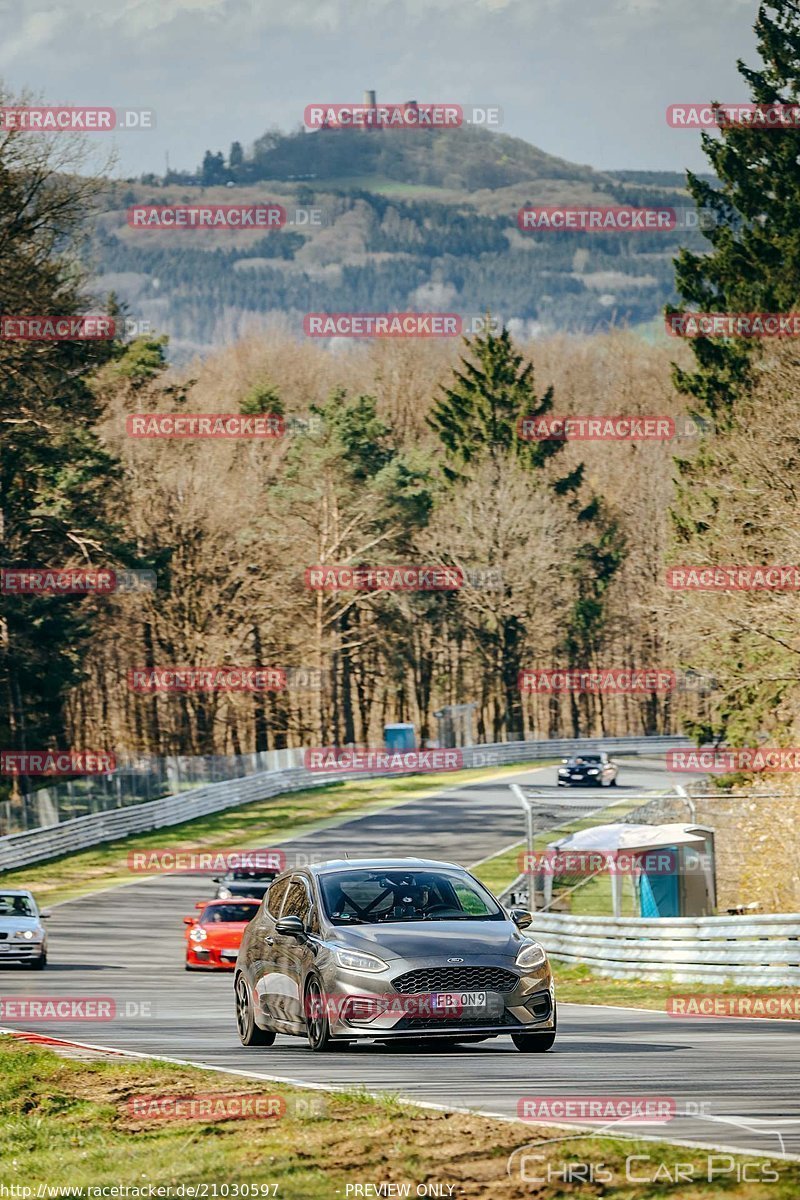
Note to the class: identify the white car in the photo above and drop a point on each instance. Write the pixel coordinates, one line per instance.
(22, 934)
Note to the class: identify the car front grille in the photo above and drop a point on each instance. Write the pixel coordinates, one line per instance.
(3, 937)
(455, 979)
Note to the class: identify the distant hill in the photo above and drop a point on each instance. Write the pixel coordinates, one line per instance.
(467, 159)
(408, 220)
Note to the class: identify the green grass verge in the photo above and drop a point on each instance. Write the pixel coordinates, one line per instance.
(75, 1125)
(262, 823)
(576, 984)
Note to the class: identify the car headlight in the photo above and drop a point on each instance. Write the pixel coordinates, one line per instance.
(198, 935)
(28, 934)
(351, 960)
(224, 894)
(531, 955)
(593, 771)
(563, 770)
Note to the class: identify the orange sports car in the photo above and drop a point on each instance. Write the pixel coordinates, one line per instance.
(214, 934)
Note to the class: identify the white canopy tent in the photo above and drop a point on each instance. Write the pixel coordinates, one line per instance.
(612, 840)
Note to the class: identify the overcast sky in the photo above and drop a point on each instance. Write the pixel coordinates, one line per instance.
(588, 80)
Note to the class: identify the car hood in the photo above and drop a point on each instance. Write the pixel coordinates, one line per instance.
(226, 931)
(433, 939)
(9, 924)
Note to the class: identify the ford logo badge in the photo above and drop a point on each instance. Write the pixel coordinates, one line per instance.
(455, 960)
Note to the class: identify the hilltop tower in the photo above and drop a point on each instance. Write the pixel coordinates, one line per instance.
(370, 102)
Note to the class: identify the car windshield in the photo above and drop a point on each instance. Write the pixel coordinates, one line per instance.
(384, 897)
(252, 876)
(585, 759)
(16, 906)
(216, 914)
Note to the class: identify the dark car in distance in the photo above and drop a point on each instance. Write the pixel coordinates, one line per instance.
(588, 770)
(244, 884)
(390, 948)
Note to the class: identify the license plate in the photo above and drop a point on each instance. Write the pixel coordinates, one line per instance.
(458, 1000)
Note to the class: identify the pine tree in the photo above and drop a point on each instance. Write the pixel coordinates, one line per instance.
(754, 263)
(480, 412)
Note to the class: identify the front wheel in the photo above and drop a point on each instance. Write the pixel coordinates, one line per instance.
(534, 1043)
(39, 964)
(614, 782)
(537, 1043)
(249, 1033)
(318, 1026)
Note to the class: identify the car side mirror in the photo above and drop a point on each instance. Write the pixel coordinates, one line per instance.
(290, 927)
(201, 904)
(190, 920)
(44, 914)
(521, 918)
(216, 879)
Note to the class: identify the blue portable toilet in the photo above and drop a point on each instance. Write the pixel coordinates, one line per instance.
(400, 737)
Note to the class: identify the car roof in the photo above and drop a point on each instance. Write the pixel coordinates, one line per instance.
(7, 891)
(377, 864)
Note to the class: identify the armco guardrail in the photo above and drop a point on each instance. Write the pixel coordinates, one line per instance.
(754, 950)
(51, 841)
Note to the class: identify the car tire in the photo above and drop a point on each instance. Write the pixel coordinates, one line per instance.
(613, 782)
(534, 1043)
(318, 1027)
(249, 1033)
(38, 964)
(537, 1043)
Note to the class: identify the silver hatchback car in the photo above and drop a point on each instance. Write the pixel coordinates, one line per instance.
(22, 934)
(390, 948)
